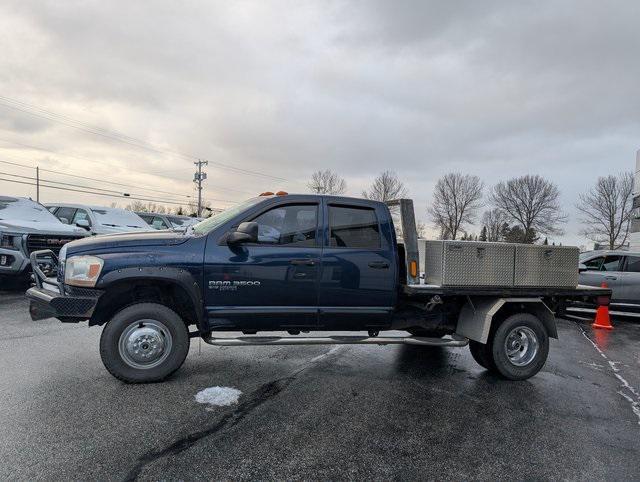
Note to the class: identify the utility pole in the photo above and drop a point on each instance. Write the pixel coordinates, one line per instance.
(37, 184)
(198, 177)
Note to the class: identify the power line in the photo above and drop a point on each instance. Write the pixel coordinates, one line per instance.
(146, 173)
(87, 192)
(99, 180)
(94, 179)
(115, 135)
(118, 193)
(106, 191)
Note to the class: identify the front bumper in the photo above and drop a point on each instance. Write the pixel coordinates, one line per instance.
(51, 299)
(45, 303)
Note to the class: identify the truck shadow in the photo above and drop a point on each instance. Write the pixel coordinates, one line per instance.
(422, 360)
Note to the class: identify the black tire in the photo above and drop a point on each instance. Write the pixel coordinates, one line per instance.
(481, 353)
(521, 362)
(139, 323)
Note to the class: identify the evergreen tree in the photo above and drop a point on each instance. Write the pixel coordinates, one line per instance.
(483, 234)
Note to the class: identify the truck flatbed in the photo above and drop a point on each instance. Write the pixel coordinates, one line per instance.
(420, 291)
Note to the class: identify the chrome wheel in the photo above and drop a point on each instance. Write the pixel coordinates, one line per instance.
(521, 346)
(145, 344)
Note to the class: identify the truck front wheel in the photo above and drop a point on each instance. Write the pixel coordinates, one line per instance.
(519, 346)
(145, 342)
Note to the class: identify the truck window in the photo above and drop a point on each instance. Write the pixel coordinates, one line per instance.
(293, 225)
(353, 227)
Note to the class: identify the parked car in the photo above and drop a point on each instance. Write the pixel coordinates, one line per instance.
(98, 219)
(26, 226)
(620, 270)
(173, 222)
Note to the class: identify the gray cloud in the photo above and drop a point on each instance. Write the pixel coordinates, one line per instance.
(496, 89)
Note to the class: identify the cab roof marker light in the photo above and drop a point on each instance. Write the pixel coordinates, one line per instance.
(267, 193)
(282, 193)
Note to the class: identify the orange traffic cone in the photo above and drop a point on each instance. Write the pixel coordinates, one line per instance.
(603, 320)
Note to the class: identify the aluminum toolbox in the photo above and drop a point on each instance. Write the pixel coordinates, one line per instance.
(549, 266)
(468, 263)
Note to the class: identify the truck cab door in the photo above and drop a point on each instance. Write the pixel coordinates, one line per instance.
(358, 272)
(271, 284)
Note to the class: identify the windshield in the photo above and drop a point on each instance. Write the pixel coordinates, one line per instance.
(24, 210)
(216, 220)
(119, 218)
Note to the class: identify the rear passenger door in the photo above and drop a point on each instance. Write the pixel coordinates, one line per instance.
(357, 280)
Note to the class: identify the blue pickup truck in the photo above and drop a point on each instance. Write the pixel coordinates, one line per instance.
(287, 263)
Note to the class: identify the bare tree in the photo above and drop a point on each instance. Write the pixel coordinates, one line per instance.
(150, 207)
(385, 187)
(494, 221)
(421, 229)
(606, 210)
(532, 203)
(327, 182)
(137, 206)
(456, 200)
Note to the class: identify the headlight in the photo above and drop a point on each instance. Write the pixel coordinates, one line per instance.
(9, 241)
(82, 270)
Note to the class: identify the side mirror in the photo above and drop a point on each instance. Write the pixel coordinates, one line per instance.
(246, 233)
(582, 267)
(83, 223)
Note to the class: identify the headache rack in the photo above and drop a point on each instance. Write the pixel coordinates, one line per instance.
(409, 235)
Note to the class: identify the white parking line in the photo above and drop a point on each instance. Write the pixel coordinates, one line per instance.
(634, 397)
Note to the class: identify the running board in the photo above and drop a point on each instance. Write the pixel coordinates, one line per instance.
(334, 340)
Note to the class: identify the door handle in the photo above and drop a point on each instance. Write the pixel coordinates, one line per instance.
(378, 264)
(611, 277)
(303, 262)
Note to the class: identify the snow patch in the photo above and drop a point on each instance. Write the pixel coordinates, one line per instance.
(218, 396)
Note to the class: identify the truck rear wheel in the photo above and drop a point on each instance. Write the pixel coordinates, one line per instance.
(519, 346)
(145, 342)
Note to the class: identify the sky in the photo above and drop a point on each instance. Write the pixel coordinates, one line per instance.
(270, 91)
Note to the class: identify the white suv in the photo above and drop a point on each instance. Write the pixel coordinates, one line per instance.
(98, 219)
(26, 226)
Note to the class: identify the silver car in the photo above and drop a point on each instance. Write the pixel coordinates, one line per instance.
(620, 270)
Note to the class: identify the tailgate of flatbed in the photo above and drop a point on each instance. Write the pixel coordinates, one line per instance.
(580, 291)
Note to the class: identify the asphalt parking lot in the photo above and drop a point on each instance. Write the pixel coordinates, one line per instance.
(319, 412)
